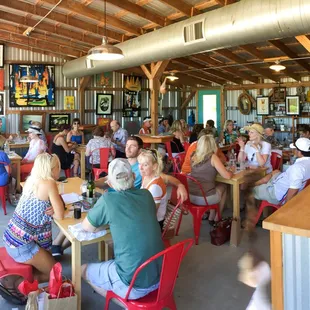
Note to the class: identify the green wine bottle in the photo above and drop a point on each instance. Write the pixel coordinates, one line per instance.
(90, 186)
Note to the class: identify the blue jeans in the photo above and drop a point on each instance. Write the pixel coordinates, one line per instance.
(104, 275)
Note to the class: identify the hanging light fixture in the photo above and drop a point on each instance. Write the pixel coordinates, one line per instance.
(172, 77)
(105, 51)
(28, 78)
(277, 66)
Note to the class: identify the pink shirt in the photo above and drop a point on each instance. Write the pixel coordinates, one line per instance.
(36, 147)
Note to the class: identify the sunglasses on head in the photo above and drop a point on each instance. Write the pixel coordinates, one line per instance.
(153, 152)
(76, 123)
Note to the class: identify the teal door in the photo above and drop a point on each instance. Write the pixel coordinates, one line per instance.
(209, 106)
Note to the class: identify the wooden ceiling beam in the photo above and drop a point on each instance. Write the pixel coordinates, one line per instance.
(40, 44)
(252, 50)
(230, 55)
(35, 35)
(49, 28)
(139, 11)
(182, 6)
(304, 41)
(74, 7)
(234, 72)
(225, 2)
(62, 19)
(287, 51)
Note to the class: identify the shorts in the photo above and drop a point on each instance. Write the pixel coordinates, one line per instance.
(23, 253)
(200, 201)
(266, 191)
(105, 276)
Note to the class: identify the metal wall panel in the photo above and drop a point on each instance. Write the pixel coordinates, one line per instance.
(296, 272)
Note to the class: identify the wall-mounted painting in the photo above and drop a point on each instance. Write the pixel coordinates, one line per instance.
(55, 120)
(1, 55)
(104, 104)
(2, 103)
(132, 96)
(69, 103)
(39, 94)
(2, 124)
(27, 117)
(105, 79)
(292, 106)
(262, 106)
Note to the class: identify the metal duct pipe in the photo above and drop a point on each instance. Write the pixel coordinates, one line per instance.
(244, 22)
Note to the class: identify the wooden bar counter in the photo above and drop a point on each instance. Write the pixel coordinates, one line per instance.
(289, 250)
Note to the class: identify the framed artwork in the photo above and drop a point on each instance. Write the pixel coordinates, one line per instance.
(27, 117)
(56, 120)
(262, 106)
(244, 104)
(69, 103)
(132, 96)
(1, 79)
(2, 124)
(292, 106)
(1, 56)
(105, 79)
(2, 103)
(104, 104)
(39, 94)
(279, 94)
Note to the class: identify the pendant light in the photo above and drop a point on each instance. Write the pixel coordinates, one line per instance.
(277, 66)
(28, 78)
(105, 51)
(172, 76)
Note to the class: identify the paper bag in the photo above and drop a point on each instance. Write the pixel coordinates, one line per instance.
(68, 303)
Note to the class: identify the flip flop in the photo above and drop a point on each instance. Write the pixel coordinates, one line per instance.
(12, 295)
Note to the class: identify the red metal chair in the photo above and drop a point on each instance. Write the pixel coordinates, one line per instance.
(25, 170)
(196, 211)
(175, 160)
(104, 154)
(186, 146)
(49, 139)
(163, 296)
(4, 190)
(276, 161)
(8, 267)
(67, 173)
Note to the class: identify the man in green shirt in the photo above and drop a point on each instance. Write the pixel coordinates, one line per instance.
(131, 214)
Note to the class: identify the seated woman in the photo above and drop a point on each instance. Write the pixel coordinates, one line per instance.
(146, 126)
(205, 165)
(210, 125)
(184, 127)
(229, 134)
(99, 141)
(195, 133)
(5, 168)
(257, 151)
(179, 138)
(63, 149)
(28, 236)
(38, 125)
(150, 166)
(75, 134)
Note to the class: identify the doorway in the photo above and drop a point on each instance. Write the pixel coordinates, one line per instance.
(209, 107)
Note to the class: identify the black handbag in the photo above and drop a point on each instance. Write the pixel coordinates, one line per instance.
(220, 233)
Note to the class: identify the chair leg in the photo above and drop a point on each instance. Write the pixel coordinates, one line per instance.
(171, 304)
(197, 225)
(259, 213)
(3, 203)
(179, 224)
(107, 301)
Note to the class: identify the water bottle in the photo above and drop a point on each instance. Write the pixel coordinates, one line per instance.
(232, 160)
(6, 148)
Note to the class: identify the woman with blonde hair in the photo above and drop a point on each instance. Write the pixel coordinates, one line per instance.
(179, 137)
(229, 133)
(150, 166)
(205, 165)
(28, 236)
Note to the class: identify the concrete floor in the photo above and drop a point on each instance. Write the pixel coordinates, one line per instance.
(207, 278)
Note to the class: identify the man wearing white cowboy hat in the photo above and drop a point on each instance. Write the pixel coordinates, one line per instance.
(276, 186)
(146, 126)
(257, 151)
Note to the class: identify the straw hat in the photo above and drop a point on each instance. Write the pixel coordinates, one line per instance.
(257, 127)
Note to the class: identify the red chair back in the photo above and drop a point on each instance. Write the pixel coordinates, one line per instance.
(104, 154)
(171, 261)
(276, 160)
(168, 149)
(186, 146)
(49, 139)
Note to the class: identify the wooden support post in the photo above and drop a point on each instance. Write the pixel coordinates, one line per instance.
(153, 74)
(188, 100)
(222, 104)
(83, 84)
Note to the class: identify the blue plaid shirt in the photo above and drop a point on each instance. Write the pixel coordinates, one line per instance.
(121, 135)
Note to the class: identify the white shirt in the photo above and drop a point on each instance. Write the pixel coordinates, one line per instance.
(36, 147)
(264, 150)
(295, 177)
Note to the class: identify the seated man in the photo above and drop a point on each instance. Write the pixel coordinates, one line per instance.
(277, 186)
(131, 214)
(270, 137)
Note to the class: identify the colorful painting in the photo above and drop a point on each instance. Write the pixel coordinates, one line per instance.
(104, 122)
(2, 103)
(1, 55)
(292, 105)
(55, 120)
(1, 79)
(27, 117)
(69, 103)
(132, 96)
(40, 94)
(105, 79)
(2, 125)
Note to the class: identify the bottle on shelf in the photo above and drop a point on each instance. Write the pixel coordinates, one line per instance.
(90, 186)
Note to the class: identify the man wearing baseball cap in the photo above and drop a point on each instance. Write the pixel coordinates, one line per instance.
(276, 186)
(131, 214)
(146, 126)
(269, 136)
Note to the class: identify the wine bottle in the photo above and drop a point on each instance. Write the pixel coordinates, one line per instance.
(90, 186)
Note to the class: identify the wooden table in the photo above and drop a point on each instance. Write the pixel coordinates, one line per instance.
(16, 159)
(155, 139)
(236, 181)
(81, 149)
(73, 185)
(289, 252)
(18, 145)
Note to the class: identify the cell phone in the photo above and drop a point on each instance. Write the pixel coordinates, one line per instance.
(61, 179)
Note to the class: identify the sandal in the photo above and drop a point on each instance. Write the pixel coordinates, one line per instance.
(12, 295)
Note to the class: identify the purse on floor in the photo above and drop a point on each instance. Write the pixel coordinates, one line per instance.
(220, 233)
